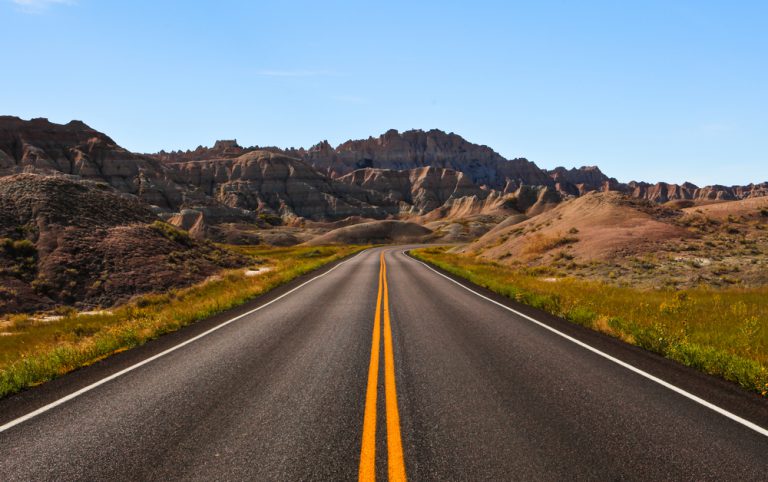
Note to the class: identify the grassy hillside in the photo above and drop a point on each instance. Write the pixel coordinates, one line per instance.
(722, 332)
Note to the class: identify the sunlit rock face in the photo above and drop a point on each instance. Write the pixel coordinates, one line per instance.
(261, 180)
(417, 148)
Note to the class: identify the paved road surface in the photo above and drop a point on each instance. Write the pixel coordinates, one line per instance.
(469, 389)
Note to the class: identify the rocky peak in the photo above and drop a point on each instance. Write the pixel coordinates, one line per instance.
(77, 124)
(221, 149)
(43, 133)
(323, 147)
(39, 145)
(433, 148)
(390, 135)
(576, 182)
(583, 174)
(223, 145)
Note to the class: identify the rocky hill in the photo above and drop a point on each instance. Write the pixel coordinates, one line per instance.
(417, 148)
(662, 192)
(74, 148)
(225, 183)
(64, 241)
(593, 226)
(610, 236)
(484, 168)
(577, 182)
(274, 183)
(487, 169)
(413, 173)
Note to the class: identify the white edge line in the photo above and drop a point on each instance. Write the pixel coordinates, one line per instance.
(90, 387)
(626, 365)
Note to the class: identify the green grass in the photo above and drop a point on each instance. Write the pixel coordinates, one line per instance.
(722, 332)
(33, 351)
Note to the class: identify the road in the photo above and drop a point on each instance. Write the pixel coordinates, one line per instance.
(452, 386)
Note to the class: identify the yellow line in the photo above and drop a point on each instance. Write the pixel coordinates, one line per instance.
(367, 470)
(395, 460)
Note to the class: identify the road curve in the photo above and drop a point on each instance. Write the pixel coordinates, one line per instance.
(480, 393)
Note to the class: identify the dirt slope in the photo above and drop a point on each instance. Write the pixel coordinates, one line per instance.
(611, 237)
(594, 226)
(375, 232)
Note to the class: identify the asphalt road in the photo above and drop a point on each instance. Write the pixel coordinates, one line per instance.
(471, 390)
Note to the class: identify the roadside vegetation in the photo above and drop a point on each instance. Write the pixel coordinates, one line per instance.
(723, 332)
(34, 349)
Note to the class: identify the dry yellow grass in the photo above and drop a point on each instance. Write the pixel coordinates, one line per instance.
(33, 350)
(721, 332)
(540, 243)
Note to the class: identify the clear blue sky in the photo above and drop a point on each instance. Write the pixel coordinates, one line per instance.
(649, 90)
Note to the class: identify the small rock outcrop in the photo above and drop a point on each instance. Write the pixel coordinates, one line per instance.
(577, 182)
(220, 149)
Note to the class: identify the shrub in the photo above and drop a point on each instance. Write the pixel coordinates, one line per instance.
(23, 254)
(563, 255)
(540, 244)
(172, 233)
(653, 338)
(311, 254)
(82, 331)
(22, 248)
(581, 316)
(41, 286)
(271, 219)
(7, 294)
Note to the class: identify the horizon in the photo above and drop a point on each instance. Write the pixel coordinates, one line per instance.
(654, 93)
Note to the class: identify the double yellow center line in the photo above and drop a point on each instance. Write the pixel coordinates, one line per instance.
(395, 461)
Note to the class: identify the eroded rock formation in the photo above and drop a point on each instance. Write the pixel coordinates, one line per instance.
(74, 148)
(417, 148)
(270, 182)
(417, 191)
(410, 173)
